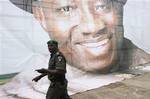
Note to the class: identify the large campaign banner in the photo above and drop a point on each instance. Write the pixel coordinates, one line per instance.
(97, 38)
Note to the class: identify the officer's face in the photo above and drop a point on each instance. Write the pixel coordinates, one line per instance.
(89, 31)
(52, 48)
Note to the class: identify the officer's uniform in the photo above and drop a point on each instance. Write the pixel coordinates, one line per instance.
(58, 86)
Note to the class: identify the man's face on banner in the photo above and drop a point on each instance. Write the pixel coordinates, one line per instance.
(89, 32)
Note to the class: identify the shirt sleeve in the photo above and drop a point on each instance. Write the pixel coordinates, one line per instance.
(60, 63)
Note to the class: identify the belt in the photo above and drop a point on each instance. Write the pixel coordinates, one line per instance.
(57, 83)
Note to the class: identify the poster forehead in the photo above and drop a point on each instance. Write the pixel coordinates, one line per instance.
(27, 4)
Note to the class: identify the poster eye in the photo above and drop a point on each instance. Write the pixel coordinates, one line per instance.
(65, 9)
(100, 7)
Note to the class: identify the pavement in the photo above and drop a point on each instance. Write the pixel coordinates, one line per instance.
(137, 87)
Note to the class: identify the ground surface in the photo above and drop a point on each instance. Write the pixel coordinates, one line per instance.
(135, 88)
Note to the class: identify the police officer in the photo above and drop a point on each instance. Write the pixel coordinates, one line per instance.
(56, 73)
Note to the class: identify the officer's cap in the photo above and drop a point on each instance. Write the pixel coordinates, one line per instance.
(52, 42)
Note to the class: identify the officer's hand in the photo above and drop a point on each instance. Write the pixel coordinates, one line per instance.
(43, 70)
(36, 79)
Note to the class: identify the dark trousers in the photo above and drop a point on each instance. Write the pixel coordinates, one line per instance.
(57, 90)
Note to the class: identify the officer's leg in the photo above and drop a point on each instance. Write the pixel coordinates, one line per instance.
(66, 96)
(65, 92)
(53, 93)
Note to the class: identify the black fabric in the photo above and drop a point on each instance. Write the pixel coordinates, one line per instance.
(23, 4)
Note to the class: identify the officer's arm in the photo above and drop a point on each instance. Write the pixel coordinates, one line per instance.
(56, 71)
(37, 78)
(60, 65)
(50, 71)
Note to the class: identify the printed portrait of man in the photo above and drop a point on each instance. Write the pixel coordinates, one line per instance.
(90, 34)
